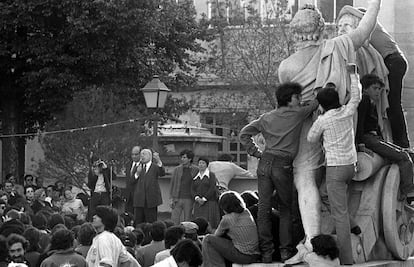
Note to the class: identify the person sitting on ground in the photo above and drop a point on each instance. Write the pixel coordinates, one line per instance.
(190, 232)
(40, 202)
(85, 236)
(184, 254)
(32, 254)
(129, 240)
(29, 194)
(236, 239)
(369, 135)
(172, 236)
(106, 248)
(204, 227)
(73, 205)
(12, 224)
(63, 253)
(325, 252)
(146, 254)
(3, 252)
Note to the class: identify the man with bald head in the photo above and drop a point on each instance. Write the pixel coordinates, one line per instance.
(132, 170)
(147, 192)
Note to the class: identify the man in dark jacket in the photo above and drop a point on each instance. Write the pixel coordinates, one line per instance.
(63, 253)
(130, 173)
(147, 192)
(180, 187)
(99, 182)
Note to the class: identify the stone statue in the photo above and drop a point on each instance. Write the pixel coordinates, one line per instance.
(369, 61)
(315, 63)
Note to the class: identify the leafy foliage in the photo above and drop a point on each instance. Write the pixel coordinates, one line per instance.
(67, 154)
(50, 50)
(249, 50)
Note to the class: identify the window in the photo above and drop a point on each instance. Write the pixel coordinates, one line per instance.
(330, 8)
(228, 125)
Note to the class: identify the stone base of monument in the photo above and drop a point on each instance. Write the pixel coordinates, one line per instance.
(407, 263)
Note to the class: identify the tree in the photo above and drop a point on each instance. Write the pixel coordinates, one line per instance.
(51, 49)
(249, 48)
(67, 154)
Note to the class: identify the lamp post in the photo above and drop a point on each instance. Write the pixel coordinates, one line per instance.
(155, 94)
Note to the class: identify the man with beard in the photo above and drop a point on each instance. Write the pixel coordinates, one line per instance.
(17, 245)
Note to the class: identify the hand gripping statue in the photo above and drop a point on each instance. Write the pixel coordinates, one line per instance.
(315, 63)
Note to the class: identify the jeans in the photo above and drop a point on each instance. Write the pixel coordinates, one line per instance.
(397, 67)
(337, 181)
(217, 250)
(97, 199)
(275, 172)
(396, 155)
(182, 205)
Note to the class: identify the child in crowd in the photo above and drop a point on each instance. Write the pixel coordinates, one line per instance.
(335, 128)
(281, 129)
(369, 134)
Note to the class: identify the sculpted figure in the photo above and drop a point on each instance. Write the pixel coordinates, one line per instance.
(383, 58)
(369, 61)
(315, 63)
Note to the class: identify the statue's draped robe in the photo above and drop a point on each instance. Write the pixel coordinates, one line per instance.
(327, 64)
(370, 61)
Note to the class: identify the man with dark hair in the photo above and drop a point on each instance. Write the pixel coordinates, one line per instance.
(17, 245)
(335, 127)
(85, 236)
(172, 236)
(180, 187)
(63, 252)
(107, 249)
(281, 129)
(146, 254)
(12, 224)
(369, 134)
(99, 182)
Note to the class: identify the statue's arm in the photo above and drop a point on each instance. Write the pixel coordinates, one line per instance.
(367, 24)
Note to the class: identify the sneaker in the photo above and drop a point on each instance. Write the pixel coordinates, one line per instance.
(296, 259)
(286, 254)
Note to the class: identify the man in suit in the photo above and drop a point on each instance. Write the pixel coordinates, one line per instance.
(131, 173)
(99, 183)
(147, 192)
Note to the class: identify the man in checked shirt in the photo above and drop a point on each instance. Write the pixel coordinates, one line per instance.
(335, 128)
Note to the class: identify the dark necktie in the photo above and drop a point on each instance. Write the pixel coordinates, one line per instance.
(134, 170)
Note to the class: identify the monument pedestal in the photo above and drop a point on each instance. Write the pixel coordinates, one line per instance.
(407, 263)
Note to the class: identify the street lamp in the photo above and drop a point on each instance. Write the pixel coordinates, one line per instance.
(155, 94)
